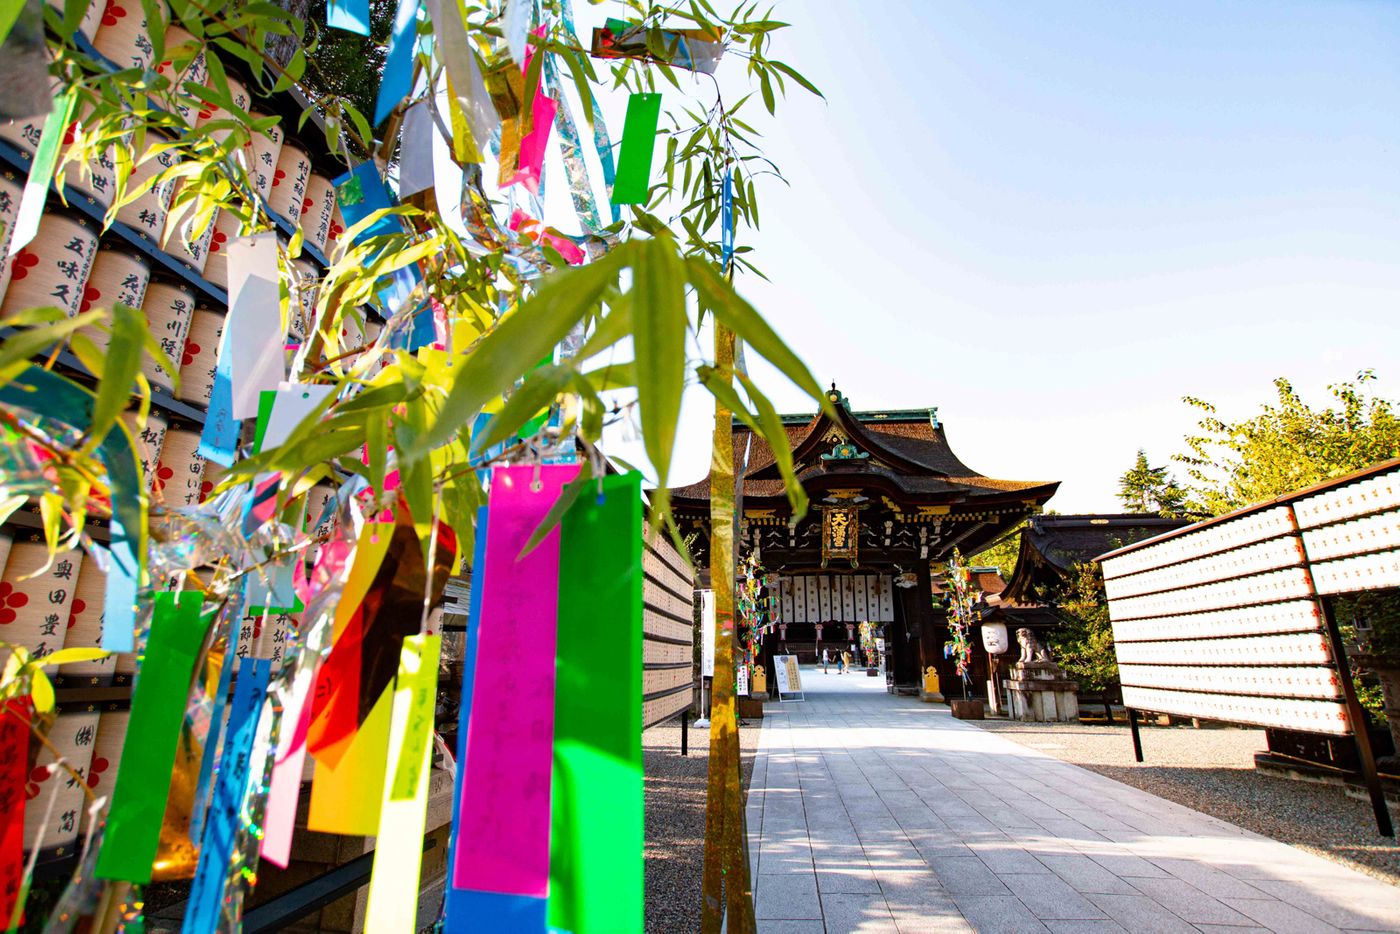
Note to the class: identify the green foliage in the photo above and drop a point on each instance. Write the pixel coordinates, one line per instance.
(1084, 647)
(1001, 554)
(652, 289)
(1145, 488)
(1287, 446)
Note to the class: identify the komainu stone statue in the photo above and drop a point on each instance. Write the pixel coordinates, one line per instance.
(1031, 649)
(1039, 689)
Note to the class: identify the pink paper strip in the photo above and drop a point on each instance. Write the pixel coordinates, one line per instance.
(285, 787)
(503, 822)
(530, 162)
(536, 232)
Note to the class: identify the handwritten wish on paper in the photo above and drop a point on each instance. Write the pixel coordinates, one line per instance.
(503, 814)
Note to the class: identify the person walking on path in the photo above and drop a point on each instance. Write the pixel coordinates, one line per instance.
(825, 658)
(841, 663)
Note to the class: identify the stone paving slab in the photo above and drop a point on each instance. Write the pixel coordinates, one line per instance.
(870, 813)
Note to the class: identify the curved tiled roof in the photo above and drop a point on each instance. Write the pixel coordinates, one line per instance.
(908, 450)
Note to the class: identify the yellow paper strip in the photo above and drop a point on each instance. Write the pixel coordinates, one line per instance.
(393, 887)
(346, 799)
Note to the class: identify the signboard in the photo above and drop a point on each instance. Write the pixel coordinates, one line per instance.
(742, 681)
(707, 633)
(1224, 620)
(668, 631)
(789, 678)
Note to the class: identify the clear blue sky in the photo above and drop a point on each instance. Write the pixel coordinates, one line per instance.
(1054, 220)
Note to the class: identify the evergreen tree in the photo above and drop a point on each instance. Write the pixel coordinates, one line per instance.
(1145, 488)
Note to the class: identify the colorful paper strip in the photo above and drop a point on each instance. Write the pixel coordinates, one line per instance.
(36, 189)
(398, 847)
(597, 839)
(157, 711)
(397, 79)
(346, 797)
(15, 716)
(638, 146)
(349, 15)
(251, 348)
(207, 891)
(503, 828)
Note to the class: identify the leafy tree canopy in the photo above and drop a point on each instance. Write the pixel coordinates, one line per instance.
(1287, 446)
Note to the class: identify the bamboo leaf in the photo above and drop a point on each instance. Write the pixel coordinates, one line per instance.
(556, 512)
(521, 339)
(41, 689)
(536, 393)
(659, 329)
(794, 75)
(68, 656)
(120, 367)
(772, 431)
(720, 298)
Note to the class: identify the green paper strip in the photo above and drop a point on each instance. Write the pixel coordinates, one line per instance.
(398, 848)
(266, 399)
(36, 189)
(148, 758)
(595, 847)
(638, 146)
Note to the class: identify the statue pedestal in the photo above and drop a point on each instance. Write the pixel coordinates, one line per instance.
(1041, 693)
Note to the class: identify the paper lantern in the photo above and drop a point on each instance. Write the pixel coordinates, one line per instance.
(116, 276)
(179, 226)
(195, 72)
(106, 756)
(208, 113)
(148, 440)
(199, 356)
(994, 638)
(169, 310)
(213, 473)
(95, 178)
(336, 231)
(85, 628)
(318, 211)
(289, 182)
(148, 213)
(88, 25)
(34, 610)
(54, 267)
(226, 227)
(60, 793)
(124, 34)
(6, 540)
(181, 471)
(11, 187)
(266, 147)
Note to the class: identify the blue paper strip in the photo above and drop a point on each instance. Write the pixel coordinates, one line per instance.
(726, 220)
(219, 440)
(349, 15)
(466, 909)
(216, 846)
(52, 396)
(397, 81)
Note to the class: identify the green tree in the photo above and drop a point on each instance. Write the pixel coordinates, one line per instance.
(1002, 553)
(1287, 446)
(1084, 647)
(1144, 488)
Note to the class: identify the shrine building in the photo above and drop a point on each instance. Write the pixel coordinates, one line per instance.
(888, 499)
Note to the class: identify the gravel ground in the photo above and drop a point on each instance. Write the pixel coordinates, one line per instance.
(675, 822)
(1212, 771)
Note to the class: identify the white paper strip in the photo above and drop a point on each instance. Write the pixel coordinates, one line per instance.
(416, 150)
(252, 345)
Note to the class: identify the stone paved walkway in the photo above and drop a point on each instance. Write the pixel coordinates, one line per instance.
(872, 813)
